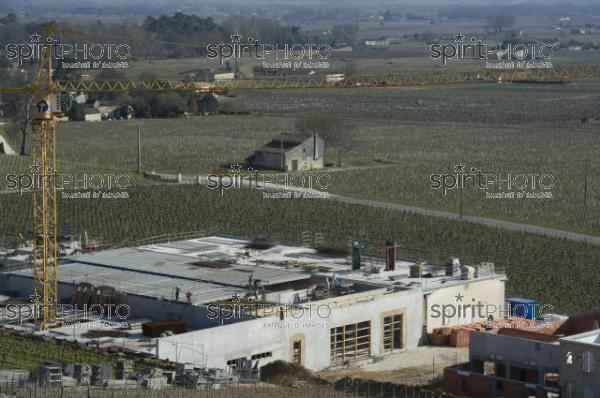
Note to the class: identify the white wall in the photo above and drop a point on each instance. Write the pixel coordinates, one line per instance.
(223, 343)
(487, 291)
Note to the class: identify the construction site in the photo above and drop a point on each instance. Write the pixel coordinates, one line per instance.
(237, 304)
(379, 308)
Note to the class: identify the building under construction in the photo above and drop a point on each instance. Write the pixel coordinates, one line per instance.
(236, 304)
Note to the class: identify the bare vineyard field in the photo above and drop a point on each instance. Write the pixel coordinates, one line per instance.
(398, 146)
(554, 271)
(391, 161)
(469, 104)
(415, 152)
(499, 129)
(192, 145)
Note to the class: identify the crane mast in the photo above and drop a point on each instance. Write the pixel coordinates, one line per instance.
(43, 168)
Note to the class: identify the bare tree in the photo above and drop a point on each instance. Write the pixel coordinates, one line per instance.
(19, 107)
(337, 134)
(21, 114)
(498, 22)
(345, 33)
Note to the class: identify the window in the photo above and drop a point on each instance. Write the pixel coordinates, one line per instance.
(588, 361)
(569, 390)
(569, 358)
(262, 355)
(392, 332)
(297, 352)
(350, 342)
(235, 362)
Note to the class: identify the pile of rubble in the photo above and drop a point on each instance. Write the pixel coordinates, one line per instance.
(289, 374)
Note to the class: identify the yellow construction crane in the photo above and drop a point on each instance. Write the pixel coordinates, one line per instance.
(47, 93)
(43, 157)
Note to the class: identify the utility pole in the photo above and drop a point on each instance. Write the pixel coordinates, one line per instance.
(281, 161)
(139, 156)
(460, 202)
(585, 182)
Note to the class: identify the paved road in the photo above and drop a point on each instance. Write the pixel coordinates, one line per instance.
(7, 148)
(513, 226)
(509, 225)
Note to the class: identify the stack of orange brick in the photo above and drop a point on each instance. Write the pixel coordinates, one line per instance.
(458, 336)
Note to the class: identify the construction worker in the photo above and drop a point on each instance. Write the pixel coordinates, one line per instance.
(188, 294)
(177, 290)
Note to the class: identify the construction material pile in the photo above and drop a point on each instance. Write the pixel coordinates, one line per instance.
(168, 326)
(88, 294)
(288, 374)
(458, 336)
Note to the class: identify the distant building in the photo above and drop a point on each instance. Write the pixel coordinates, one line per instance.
(343, 48)
(80, 98)
(211, 75)
(105, 109)
(382, 42)
(92, 115)
(334, 78)
(99, 112)
(224, 76)
(291, 152)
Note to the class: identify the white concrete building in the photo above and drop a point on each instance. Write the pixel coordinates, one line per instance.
(247, 304)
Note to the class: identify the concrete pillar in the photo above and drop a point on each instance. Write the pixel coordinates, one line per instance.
(540, 371)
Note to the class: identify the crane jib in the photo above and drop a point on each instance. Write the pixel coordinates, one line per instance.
(400, 79)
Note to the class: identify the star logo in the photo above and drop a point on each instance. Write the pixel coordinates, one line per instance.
(235, 38)
(35, 168)
(459, 38)
(236, 167)
(34, 298)
(459, 168)
(459, 297)
(35, 38)
(236, 298)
